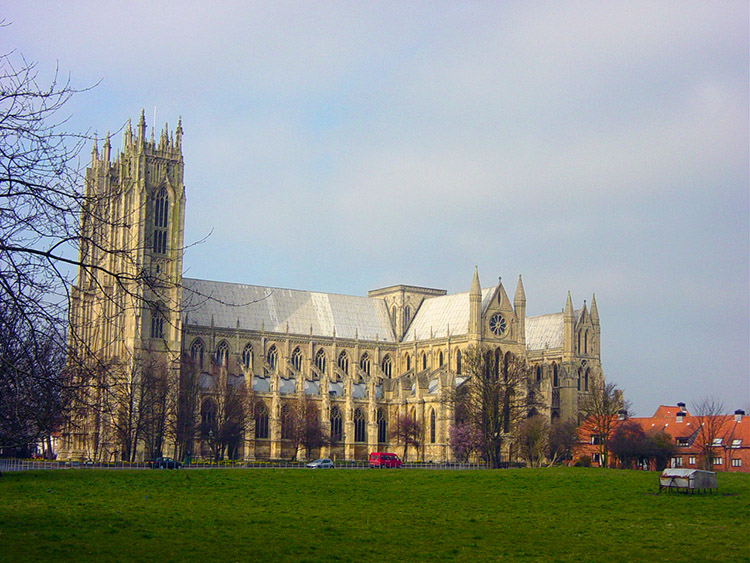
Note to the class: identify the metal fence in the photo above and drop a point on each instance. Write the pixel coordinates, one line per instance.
(8, 465)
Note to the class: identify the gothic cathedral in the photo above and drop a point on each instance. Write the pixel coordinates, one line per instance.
(184, 366)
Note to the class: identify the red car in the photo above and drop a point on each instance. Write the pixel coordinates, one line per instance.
(384, 460)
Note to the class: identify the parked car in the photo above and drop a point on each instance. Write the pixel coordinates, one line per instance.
(384, 460)
(322, 463)
(165, 463)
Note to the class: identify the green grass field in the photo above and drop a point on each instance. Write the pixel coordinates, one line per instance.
(557, 514)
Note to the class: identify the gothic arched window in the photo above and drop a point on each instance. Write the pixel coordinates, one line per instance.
(407, 314)
(382, 426)
(538, 373)
(272, 357)
(432, 426)
(197, 350)
(579, 379)
(586, 380)
(336, 427)
(555, 376)
(586, 342)
(386, 366)
(424, 360)
(320, 361)
(261, 421)
(344, 362)
(458, 362)
(359, 426)
(441, 359)
(208, 418)
(161, 213)
(287, 429)
(157, 321)
(297, 359)
(247, 357)
(222, 354)
(364, 363)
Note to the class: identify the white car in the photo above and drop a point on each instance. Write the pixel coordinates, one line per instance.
(322, 463)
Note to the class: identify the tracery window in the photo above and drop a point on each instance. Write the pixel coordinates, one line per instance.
(386, 366)
(432, 426)
(336, 426)
(196, 352)
(344, 362)
(359, 426)
(287, 426)
(364, 363)
(261, 421)
(161, 211)
(247, 357)
(222, 354)
(297, 359)
(157, 322)
(586, 381)
(407, 314)
(272, 357)
(320, 361)
(382, 426)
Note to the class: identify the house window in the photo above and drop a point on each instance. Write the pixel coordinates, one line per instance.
(676, 462)
(716, 442)
(386, 366)
(247, 357)
(320, 361)
(736, 462)
(682, 442)
(359, 426)
(595, 458)
(736, 443)
(382, 434)
(261, 421)
(691, 460)
(336, 428)
(718, 461)
(596, 439)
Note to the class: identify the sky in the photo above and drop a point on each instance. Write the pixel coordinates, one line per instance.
(593, 147)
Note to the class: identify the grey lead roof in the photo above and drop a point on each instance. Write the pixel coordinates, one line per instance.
(252, 307)
(544, 331)
(439, 314)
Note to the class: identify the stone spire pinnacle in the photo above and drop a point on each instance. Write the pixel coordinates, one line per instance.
(475, 287)
(520, 296)
(142, 127)
(594, 312)
(568, 311)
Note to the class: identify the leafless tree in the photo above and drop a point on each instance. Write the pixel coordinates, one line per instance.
(303, 426)
(493, 399)
(407, 431)
(562, 438)
(601, 411)
(711, 416)
(533, 438)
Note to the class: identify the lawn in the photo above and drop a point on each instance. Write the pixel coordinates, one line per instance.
(558, 514)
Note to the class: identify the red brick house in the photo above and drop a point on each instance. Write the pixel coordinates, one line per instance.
(725, 439)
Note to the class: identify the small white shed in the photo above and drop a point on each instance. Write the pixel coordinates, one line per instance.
(687, 480)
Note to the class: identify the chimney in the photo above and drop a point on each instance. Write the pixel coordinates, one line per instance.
(738, 414)
(622, 414)
(681, 415)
